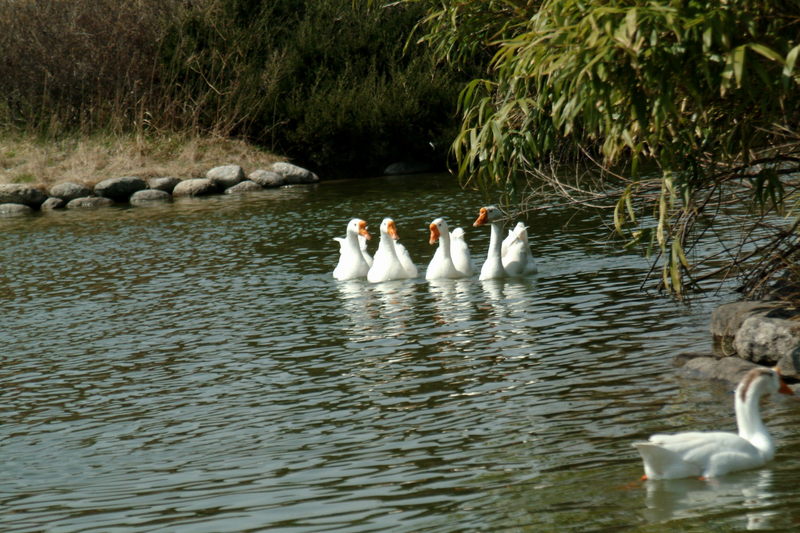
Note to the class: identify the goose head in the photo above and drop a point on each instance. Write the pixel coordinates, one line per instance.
(388, 227)
(487, 215)
(760, 382)
(438, 228)
(358, 227)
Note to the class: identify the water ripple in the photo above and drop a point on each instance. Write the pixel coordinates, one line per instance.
(196, 368)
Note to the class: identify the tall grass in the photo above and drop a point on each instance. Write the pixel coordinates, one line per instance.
(322, 81)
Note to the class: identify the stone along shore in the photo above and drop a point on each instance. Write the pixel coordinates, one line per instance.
(19, 199)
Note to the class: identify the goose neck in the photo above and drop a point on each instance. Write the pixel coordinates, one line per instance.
(751, 426)
(496, 238)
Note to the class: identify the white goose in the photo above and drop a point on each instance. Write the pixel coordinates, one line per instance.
(386, 264)
(441, 265)
(493, 266)
(362, 244)
(459, 251)
(511, 259)
(352, 264)
(515, 252)
(405, 260)
(708, 454)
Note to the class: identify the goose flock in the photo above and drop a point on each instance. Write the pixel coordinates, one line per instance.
(509, 257)
(701, 454)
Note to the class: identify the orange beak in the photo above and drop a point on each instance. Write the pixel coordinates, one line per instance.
(434, 234)
(783, 388)
(482, 217)
(392, 229)
(362, 230)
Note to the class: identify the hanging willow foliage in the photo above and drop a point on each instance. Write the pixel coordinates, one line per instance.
(684, 108)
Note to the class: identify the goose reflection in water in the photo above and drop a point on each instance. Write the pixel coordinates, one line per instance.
(453, 300)
(671, 499)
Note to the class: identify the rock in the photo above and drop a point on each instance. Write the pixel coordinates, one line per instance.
(194, 187)
(726, 319)
(294, 174)
(267, 178)
(67, 190)
(15, 193)
(730, 369)
(226, 176)
(166, 183)
(119, 189)
(53, 203)
(407, 167)
(13, 210)
(770, 341)
(150, 197)
(89, 202)
(244, 186)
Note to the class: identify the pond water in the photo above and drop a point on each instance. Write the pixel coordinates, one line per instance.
(195, 367)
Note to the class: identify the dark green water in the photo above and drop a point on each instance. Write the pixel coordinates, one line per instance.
(195, 367)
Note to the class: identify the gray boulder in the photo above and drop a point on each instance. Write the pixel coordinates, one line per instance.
(67, 190)
(90, 202)
(244, 186)
(729, 369)
(16, 193)
(13, 210)
(119, 189)
(294, 174)
(267, 178)
(165, 183)
(770, 341)
(401, 168)
(53, 203)
(150, 197)
(226, 176)
(728, 318)
(194, 187)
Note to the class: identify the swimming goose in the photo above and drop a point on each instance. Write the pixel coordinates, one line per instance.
(709, 454)
(506, 257)
(459, 252)
(405, 260)
(386, 264)
(516, 254)
(352, 264)
(441, 265)
(493, 266)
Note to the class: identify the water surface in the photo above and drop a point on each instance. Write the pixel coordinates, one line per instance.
(195, 367)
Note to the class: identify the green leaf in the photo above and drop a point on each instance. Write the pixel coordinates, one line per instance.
(767, 52)
(788, 66)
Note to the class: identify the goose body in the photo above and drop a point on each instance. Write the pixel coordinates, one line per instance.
(515, 252)
(709, 454)
(405, 260)
(493, 265)
(441, 265)
(459, 252)
(506, 257)
(386, 264)
(352, 264)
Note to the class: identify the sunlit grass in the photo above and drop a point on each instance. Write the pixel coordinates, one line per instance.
(90, 159)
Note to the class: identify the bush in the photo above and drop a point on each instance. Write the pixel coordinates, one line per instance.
(323, 81)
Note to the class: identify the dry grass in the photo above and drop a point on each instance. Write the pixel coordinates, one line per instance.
(89, 160)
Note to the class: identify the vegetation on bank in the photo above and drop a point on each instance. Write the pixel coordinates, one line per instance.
(665, 113)
(324, 82)
(90, 159)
